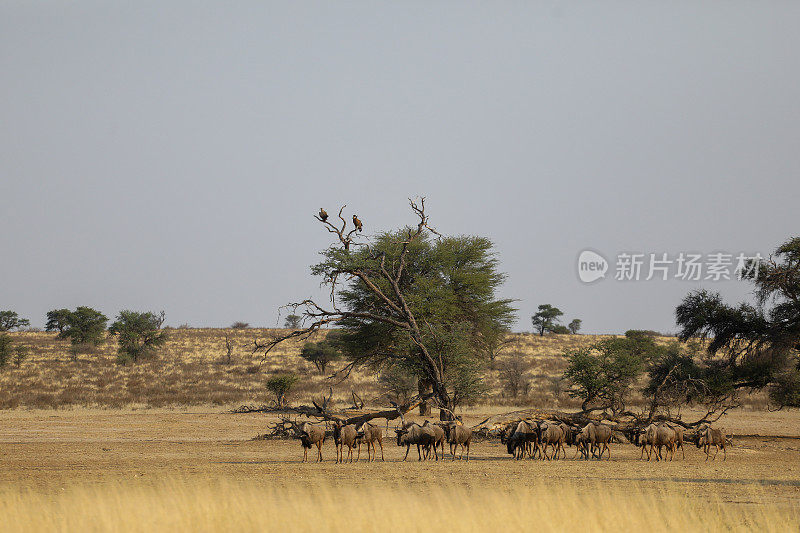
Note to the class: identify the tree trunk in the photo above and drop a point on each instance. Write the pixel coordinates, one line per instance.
(424, 387)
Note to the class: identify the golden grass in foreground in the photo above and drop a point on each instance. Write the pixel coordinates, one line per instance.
(178, 505)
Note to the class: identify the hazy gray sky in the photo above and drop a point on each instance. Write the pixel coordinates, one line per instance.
(170, 155)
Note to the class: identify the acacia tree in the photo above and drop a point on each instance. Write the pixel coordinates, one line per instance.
(139, 334)
(750, 347)
(602, 374)
(82, 327)
(292, 322)
(411, 296)
(546, 318)
(681, 376)
(57, 320)
(321, 354)
(10, 320)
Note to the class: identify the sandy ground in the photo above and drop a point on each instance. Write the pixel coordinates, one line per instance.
(50, 450)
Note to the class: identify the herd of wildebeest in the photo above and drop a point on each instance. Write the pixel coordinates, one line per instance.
(543, 439)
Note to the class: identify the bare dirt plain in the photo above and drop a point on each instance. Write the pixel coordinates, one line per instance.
(48, 451)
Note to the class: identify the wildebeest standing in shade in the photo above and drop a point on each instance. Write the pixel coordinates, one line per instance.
(678, 438)
(551, 435)
(582, 446)
(412, 433)
(643, 439)
(346, 436)
(598, 436)
(708, 437)
(662, 436)
(438, 442)
(371, 435)
(459, 436)
(312, 435)
(522, 438)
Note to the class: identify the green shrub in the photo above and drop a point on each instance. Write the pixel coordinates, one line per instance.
(280, 385)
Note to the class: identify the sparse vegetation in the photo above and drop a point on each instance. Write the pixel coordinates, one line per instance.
(240, 325)
(513, 379)
(187, 373)
(228, 351)
(6, 349)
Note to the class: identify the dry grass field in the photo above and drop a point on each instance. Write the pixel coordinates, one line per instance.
(89, 445)
(199, 470)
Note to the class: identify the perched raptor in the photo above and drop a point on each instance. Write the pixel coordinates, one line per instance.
(356, 222)
(323, 214)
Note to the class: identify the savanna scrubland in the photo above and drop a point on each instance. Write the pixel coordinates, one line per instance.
(88, 444)
(192, 368)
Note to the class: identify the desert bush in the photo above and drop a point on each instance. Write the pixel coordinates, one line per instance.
(10, 352)
(513, 379)
(643, 333)
(6, 349)
(20, 354)
(240, 325)
(280, 385)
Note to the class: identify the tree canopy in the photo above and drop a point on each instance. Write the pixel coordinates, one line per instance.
(57, 320)
(412, 298)
(750, 347)
(139, 334)
(82, 326)
(602, 374)
(10, 320)
(321, 354)
(546, 318)
(292, 322)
